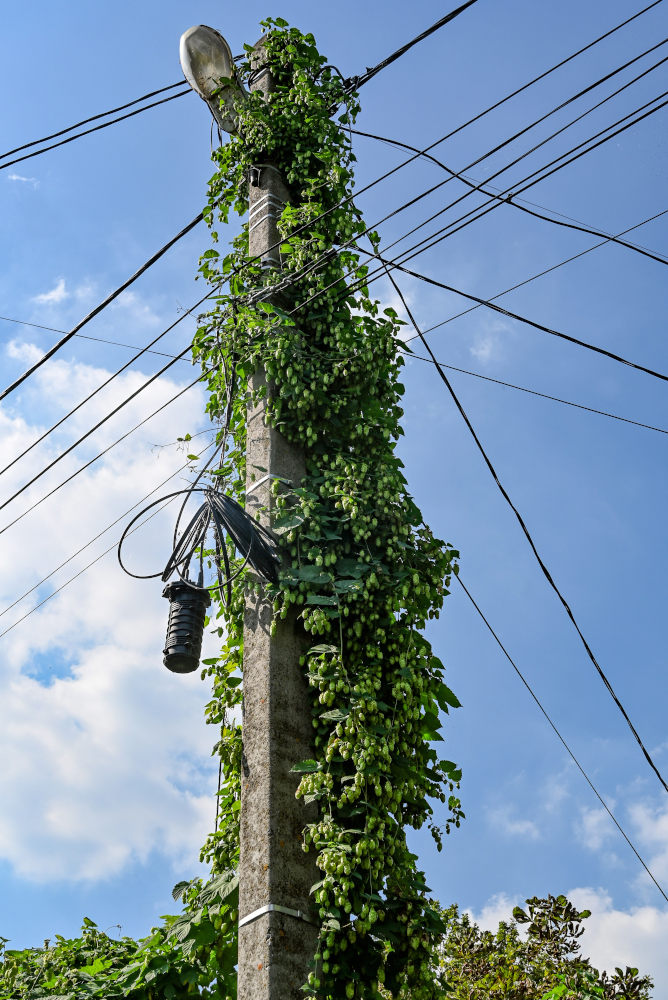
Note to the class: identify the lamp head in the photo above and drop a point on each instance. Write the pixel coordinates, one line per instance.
(206, 58)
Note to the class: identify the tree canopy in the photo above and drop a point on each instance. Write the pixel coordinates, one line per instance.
(534, 956)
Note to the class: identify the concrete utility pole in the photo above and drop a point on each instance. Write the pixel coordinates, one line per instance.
(277, 938)
(276, 943)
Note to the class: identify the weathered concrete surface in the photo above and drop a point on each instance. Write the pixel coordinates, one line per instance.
(275, 950)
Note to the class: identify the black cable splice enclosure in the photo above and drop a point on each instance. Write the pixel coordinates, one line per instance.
(185, 627)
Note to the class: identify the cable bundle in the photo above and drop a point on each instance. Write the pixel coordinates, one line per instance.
(189, 600)
(226, 517)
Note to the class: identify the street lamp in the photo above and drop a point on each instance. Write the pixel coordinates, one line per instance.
(206, 60)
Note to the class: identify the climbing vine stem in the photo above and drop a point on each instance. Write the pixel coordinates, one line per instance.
(362, 571)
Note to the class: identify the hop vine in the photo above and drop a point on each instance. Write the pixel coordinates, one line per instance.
(361, 570)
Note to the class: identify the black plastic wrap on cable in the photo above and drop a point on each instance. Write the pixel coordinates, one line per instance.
(185, 627)
(225, 519)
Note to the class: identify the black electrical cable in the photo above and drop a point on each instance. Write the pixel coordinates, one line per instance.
(540, 274)
(515, 203)
(226, 517)
(109, 299)
(96, 128)
(534, 392)
(180, 357)
(443, 233)
(87, 545)
(94, 118)
(578, 151)
(418, 357)
(527, 535)
(99, 388)
(424, 245)
(522, 319)
(102, 305)
(522, 156)
(95, 458)
(477, 117)
(83, 336)
(358, 81)
(344, 201)
(368, 279)
(495, 200)
(559, 736)
(464, 125)
(91, 430)
(566, 336)
(460, 128)
(77, 575)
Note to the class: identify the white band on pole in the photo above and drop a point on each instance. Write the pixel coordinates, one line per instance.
(275, 908)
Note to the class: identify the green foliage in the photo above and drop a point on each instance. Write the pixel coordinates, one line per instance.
(362, 572)
(189, 955)
(544, 963)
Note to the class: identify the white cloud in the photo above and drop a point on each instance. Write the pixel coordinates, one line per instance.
(136, 309)
(106, 753)
(28, 353)
(503, 821)
(85, 291)
(25, 180)
(499, 907)
(489, 344)
(484, 348)
(635, 937)
(595, 828)
(57, 294)
(650, 828)
(555, 792)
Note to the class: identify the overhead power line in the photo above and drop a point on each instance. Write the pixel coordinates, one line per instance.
(517, 202)
(534, 392)
(100, 307)
(83, 548)
(522, 319)
(83, 336)
(536, 177)
(545, 571)
(99, 388)
(384, 176)
(561, 739)
(88, 131)
(540, 274)
(650, 6)
(430, 241)
(85, 568)
(519, 187)
(94, 118)
(459, 128)
(499, 146)
(91, 430)
(358, 81)
(105, 451)
(354, 83)
(581, 149)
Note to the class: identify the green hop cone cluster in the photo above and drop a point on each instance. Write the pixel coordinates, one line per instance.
(362, 572)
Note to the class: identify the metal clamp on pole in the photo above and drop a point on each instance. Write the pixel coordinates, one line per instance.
(276, 908)
(280, 479)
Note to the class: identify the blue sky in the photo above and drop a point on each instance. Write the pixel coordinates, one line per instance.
(107, 787)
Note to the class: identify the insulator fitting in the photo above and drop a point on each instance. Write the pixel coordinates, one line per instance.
(187, 610)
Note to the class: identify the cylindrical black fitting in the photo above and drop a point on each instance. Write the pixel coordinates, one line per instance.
(187, 610)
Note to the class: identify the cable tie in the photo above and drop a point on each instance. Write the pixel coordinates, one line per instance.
(276, 908)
